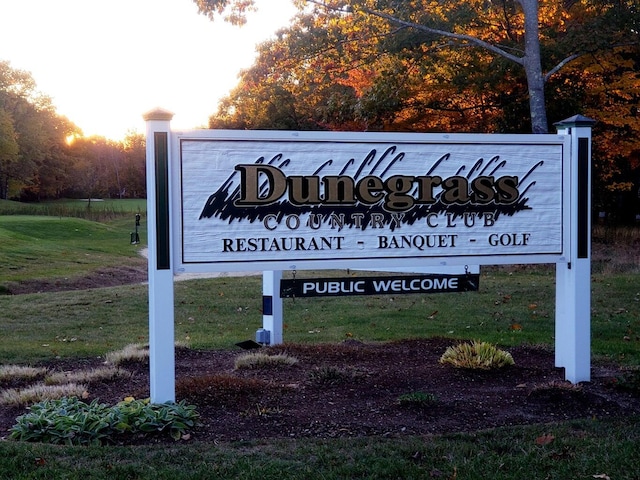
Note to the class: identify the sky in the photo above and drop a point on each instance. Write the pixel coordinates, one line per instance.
(106, 63)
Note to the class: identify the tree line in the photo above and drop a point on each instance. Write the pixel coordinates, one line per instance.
(44, 155)
(508, 66)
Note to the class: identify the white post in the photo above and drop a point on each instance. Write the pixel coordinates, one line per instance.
(161, 304)
(272, 305)
(573, 279)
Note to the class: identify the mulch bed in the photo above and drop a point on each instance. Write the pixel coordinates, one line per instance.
(354, 389)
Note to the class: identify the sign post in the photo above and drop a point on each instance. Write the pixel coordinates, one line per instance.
(272, 306)
(161, 302)
(573, 279)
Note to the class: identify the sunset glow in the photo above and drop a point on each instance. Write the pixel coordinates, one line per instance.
(130, 57)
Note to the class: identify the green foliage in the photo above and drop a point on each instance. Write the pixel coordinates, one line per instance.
(629, 381)
(476, 356)
(592, 448)
(73, 422)
(417, 399)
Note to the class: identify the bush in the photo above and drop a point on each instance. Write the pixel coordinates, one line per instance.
(416, 399)
(73, 422)
(476, 356)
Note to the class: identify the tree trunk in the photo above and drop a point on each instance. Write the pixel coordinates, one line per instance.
(533, 67)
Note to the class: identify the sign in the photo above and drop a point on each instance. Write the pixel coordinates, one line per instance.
(333, 287)
(246, 200)
(251, 200)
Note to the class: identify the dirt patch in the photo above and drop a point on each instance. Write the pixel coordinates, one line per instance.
(105, 277)
(355, 389)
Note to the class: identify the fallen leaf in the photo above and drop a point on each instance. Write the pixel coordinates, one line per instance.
(533, 306)
(545, 439)
(85, 395)
(39, 461)
(515, 326)
(604, 476)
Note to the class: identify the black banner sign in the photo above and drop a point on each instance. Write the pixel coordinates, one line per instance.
(394, 285)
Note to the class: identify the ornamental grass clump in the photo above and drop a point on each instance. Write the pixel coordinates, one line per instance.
(262, 360)
(476, 356)
(20, 372)
(134, 352)
(20, 397)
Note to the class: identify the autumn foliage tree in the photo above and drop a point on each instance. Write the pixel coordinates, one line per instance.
(421, 65)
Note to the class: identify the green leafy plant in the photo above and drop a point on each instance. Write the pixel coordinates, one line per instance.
(476, 356)
(73, 422)
(417, 399)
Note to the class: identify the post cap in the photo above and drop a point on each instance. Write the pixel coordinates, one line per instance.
(576, 121)
(158, 114)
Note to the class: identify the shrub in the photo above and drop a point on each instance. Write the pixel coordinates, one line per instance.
(262, 360)
(416, 399)
(73, 422)
(328, 375)
(476, 356)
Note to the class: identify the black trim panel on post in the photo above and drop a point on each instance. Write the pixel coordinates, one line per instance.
(583, 198)
(161, 146)
(267, 305)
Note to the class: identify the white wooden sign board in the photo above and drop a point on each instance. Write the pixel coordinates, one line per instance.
(295, 200)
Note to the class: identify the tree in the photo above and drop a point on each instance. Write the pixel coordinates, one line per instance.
(8, 153)
(40, 133)
(509, 29)
(134, 151)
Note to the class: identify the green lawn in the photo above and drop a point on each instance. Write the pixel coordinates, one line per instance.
(514, 305)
